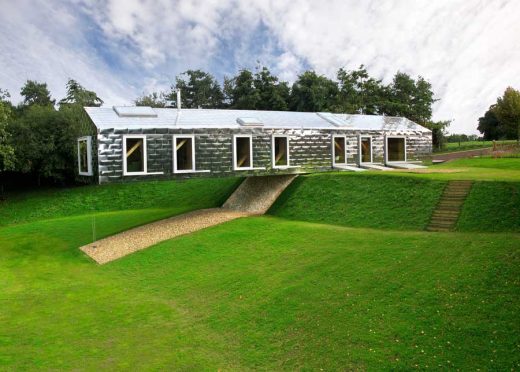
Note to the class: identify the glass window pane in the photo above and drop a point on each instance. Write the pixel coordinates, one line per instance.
(242, 152)
(134, 155)
(366, 150)
(396, 149)
(83, 156)
(339, 150)
(280, 151)
(184, 148)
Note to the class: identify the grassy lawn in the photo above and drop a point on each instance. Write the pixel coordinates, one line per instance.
(268, 293)
(260, 293)
(167, 197)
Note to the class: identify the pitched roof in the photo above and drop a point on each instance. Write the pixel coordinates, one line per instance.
(145, 117)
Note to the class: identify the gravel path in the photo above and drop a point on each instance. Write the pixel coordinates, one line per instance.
(119, 245)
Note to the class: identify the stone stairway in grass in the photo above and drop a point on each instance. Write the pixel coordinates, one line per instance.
(446, 214)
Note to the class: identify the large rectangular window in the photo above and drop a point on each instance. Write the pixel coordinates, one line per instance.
(85, 156)
(396, 149)
(280, 151)
(366, 149)
(134, 155)
(243, 152)
(339, 155)
(184, 154)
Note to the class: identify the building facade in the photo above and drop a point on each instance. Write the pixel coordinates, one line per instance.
(136, 143)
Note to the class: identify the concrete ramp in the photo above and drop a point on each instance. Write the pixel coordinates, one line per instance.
(404, 165)
(349, 168)
(256, 194)
(372, 166)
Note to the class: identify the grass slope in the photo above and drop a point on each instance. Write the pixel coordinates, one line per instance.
(260, 293)
(374, 200)
(173, 197)
(492, 206)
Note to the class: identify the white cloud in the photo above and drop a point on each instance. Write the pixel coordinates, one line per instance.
(469, 50)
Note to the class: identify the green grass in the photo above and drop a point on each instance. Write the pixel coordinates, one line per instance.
(268, 293)
(471, 145)
(173, 197)
(492, 206)
(359, 200)
(260, 293)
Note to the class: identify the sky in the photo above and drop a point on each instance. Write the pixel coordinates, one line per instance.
(468, 49)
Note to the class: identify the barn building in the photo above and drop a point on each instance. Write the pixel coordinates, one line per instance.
(119, 144)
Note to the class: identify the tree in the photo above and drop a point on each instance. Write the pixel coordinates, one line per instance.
(153, 100)
(44, 141)
(489, 125)
(358, 92)
(6, 149)
(241, 92)
(438, 129)
(273, 94)
(507, 111)
(78, 95)
(35, 93)
(409, 98)
(312, 92)
(199, 90)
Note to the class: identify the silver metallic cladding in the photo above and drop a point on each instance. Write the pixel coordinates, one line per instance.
(310, 150)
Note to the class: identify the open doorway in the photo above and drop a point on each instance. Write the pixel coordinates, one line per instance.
(366, 149)
(395, 149)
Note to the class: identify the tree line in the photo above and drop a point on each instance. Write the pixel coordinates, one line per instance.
(38, 135)
(502, 119)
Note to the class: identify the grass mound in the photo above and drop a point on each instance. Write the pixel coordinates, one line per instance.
(493, 207)
(377, 201)
(174, 197)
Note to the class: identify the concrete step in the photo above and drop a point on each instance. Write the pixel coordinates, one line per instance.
(437, 229)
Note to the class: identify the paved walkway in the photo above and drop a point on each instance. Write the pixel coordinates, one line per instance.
(122, 244)
(462, 154)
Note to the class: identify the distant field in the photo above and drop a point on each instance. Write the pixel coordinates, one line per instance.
(470, 145)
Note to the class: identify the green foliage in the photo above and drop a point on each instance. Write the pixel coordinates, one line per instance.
(241, 92)
(7, 156)
(152, 100)
(343, 199)
(174, 197)
(507, 111)
(489, 125)
(259, 91)
(44, 143)
(438, 129)
(359, 93)
(313, 92)
(412, 99)
(199, 90)
(35, 93)
(502, 119)
(78, 95)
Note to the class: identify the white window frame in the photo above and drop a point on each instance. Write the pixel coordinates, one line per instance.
(235, 136)
(360, 154)
(88, 139)
(334, 149)
(184, 136)
(273, 147)
(386, 150)
(145, 155)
